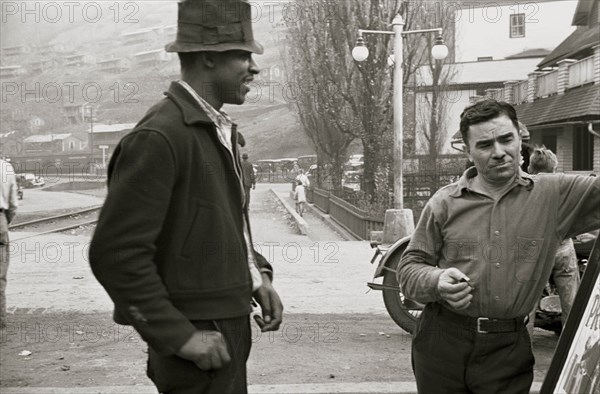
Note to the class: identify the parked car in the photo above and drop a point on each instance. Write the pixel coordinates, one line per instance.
(305, 162)
(29, 180)
(353, 171)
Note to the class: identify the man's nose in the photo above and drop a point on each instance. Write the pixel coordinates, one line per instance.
(498, 150)
(254, 69)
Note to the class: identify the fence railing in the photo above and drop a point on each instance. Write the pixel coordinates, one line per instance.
(547, 84)
(520, 92)
(581, 72)
(321, 199)
(418, 189)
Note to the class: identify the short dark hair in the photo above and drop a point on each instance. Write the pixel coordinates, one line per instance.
(482, 111)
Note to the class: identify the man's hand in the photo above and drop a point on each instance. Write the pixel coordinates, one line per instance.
(456, 293)
(207, 349)
(270, 303)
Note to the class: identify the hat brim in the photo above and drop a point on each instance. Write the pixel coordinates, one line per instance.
(250, 46)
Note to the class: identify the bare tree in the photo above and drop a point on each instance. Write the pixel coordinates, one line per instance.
(340, 95)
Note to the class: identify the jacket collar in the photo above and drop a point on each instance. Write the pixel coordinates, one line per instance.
(191, 111)
(464, 183)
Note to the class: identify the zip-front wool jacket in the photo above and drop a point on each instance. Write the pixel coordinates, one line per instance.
(169, 246)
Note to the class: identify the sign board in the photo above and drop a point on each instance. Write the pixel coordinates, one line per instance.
(103, 146)
(575, 367)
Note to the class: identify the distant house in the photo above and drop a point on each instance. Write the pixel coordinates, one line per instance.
(138, 37)
(10, 144)
(52, 143)
(152, 58)
(79, 60)
(166, 33)
(108, 135)
(114, 66)
(51, 49)
(76, 112)
(16, 50)
(42, 65)
(11, 71)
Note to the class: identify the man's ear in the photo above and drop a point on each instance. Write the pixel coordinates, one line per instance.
(208, 59)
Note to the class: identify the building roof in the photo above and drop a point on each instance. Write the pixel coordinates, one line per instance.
(576, 104)
(111, 128)
(483, 72)
(537, 52)
(582, 12)
(47, 137)
(148, 52)
(581, 39)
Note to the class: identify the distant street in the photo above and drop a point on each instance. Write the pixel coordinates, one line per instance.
(334, 331)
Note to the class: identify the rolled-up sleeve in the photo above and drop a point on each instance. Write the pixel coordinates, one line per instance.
(122, 252)
(417, 272)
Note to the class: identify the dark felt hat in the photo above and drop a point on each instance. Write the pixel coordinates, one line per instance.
(211, 25)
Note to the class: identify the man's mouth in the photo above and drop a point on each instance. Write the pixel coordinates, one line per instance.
(246, 84)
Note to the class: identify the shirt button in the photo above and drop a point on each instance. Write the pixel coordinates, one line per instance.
(497, 265)
(497, 298)
(533, 243)
(497, 232)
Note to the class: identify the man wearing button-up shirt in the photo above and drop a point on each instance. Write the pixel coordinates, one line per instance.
(482, 252)
(8, 210)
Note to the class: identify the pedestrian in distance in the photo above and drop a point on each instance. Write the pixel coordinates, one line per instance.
(173, 246)
(8, 211)
(300, 197)
(303, 178)
(480, 256)
(566, 272)
(249, 177)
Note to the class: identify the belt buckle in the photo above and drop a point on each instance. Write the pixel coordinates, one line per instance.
(479, 320)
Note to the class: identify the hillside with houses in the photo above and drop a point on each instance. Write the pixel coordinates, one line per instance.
(75, 75)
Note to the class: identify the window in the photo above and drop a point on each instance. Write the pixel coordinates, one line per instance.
(485, 59)
(583, 149)
(517, 25)
(549, 141)
(71, 145)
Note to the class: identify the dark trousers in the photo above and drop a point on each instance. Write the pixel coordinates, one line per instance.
(175, 375)
(247, 190)
(450, 358)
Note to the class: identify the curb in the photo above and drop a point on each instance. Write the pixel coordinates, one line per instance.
(300, 222)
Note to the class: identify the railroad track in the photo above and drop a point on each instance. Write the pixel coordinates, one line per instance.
(59, 223)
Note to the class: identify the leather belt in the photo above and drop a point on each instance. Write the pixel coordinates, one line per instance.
(483, 325)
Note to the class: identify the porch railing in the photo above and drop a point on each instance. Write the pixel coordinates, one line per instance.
(547, 84)
(581, 72)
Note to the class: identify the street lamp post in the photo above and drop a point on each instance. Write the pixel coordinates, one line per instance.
(401, 220)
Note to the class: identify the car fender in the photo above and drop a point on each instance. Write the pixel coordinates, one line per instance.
(386, 261)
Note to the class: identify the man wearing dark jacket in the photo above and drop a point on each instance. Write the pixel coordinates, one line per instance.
(173, 246)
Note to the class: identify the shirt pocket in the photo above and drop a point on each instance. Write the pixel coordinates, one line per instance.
(527, 256)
